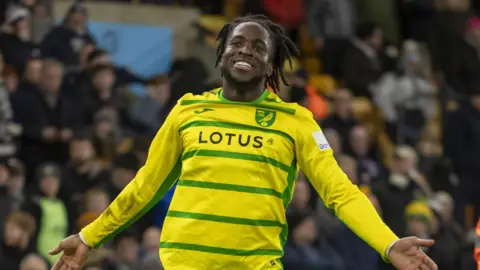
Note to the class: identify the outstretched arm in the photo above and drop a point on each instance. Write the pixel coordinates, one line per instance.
(352, 207)
(152, 181)
(316, 160)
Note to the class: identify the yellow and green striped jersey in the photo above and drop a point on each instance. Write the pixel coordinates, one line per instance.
(236, 164)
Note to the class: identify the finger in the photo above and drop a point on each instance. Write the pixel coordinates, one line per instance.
(430, 263)
(57, 265)
(424, 242)
(56, 250)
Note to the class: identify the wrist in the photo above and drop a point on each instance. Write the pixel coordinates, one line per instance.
(389, 248)
(83, 240)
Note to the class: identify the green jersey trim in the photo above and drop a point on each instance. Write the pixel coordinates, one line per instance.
(230, 187)
(224, 251)
(235, 155)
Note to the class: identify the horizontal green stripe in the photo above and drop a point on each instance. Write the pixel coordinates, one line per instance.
(230, 187)
(235, 155)
(225, 219)
(262, 106)
(218, 250)
(234, 126)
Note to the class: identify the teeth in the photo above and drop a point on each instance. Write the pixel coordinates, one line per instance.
(242, 63)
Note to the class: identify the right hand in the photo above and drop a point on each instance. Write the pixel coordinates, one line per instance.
(74, 253)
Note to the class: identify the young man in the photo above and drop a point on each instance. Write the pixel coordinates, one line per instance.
(234, 152)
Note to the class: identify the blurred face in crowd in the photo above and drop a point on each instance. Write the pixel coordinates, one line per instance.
(349, 167)
(28, 3)
(334, 140)
(77, 19)
(34, 263)
(11, 82)
(16, 184)
(33, 70)
(97, 202)
(15, 236)
(473, 35)
(104, 129)
(103, 59)
(4, 174)
(342, 102)
(305, 231)
(151, 239)
(122, 176)
(127, 249)
(160, 92)
(301, 194)
(417, 227)
(376, 39)
(359, 141)
(50, 185)
(401, 165)
(51, 78)
(104, 79)
(475, 101)
(81, 151)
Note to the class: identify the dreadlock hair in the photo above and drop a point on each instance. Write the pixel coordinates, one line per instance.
(284, 48)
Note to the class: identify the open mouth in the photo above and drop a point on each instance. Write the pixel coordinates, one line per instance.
(242, 65)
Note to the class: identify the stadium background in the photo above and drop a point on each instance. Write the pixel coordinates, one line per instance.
(385, 78)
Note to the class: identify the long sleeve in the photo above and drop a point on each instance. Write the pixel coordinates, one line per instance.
(316, 160)
(151, 183)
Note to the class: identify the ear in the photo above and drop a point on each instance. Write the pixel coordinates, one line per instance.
(269, 70)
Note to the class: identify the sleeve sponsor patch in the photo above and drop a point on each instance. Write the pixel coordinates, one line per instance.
(321, 140)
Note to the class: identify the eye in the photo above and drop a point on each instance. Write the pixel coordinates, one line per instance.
(258, 48)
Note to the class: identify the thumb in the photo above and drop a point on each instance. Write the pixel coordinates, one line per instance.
(424, 242)
(56, 250)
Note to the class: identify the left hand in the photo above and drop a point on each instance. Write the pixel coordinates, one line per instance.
(406, 254)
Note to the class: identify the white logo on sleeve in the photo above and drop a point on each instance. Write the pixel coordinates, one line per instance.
(321, 140)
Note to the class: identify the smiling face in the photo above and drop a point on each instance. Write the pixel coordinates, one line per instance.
(245, 61)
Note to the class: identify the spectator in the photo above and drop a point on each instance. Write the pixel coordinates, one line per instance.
(50, 213)
(362, 62)
(124, 169)
(341, 119)
(463, 145)
(406, 97)
(150, 242)
(96, 201)
(127, 250)
(48, 119)
(106, 134)
(300, 252)
(6, 200)
(465, 65)
(15, 42)
(33, 262)
(64, 42)
(83, 171)
(17, 234)
(148, 112)
(369, 171)
(33, 71)
(8, 130)
(10, 79)
(399, 190)
(331, 24)
(16, 182)
(334, 140)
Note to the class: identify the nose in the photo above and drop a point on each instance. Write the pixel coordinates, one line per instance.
(246, 50)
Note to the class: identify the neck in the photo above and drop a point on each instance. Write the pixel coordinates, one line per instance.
(242, 94)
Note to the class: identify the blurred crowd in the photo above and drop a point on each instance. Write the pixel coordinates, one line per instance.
(394, 85)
